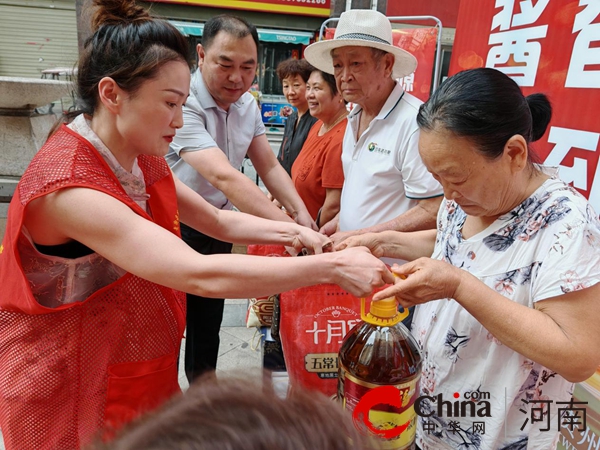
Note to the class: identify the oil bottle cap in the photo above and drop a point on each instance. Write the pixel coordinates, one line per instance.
(384, 315)
(383, 312)
(386, 308)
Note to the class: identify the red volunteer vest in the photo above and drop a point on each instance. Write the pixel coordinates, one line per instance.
(72, 374)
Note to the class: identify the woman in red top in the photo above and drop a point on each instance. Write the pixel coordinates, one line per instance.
(92, 263)
(317, 172)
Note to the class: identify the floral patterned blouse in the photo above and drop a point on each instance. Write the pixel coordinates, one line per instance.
(546, 246)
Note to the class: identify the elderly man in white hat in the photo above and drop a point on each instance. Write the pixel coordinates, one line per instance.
(387, 186)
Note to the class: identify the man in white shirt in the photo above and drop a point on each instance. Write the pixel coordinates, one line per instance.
(221, 125)
(387, 186)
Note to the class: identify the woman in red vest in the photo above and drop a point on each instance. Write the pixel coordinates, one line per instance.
(91, 265)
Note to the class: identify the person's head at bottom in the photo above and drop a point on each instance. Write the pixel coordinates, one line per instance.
(236, 413)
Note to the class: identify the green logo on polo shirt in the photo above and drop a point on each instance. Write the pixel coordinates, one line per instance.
(375, 149)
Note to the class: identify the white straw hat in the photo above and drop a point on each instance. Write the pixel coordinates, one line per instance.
(362, 28)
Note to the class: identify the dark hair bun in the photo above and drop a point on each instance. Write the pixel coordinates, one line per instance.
(113, 12)
(541, 113)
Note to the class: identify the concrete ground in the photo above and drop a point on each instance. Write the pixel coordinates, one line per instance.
(239, 351)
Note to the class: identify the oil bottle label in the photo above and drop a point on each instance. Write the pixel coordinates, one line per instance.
(384, 411)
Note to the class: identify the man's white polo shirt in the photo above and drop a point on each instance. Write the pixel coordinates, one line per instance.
(384, 174)
(207, 125)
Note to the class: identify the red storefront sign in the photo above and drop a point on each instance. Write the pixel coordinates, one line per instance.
(550, 47)
(420, 42)
(299, 7)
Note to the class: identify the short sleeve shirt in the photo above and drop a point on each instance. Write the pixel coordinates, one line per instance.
(294, 136)
(545, 247)
(319, 166)
(384, 173)
(206, 125)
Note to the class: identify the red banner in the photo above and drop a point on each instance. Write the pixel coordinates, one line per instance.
(420, 42)
(549, 47)
(299, 7)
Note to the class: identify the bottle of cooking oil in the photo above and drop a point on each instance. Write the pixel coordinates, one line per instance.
(379, 373)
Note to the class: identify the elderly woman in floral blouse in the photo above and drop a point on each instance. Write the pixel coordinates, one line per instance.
(507, 286)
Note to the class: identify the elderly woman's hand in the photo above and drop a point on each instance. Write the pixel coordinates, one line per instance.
(370, 240)
(423, 280)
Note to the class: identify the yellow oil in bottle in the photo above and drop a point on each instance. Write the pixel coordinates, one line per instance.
(379, 373)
